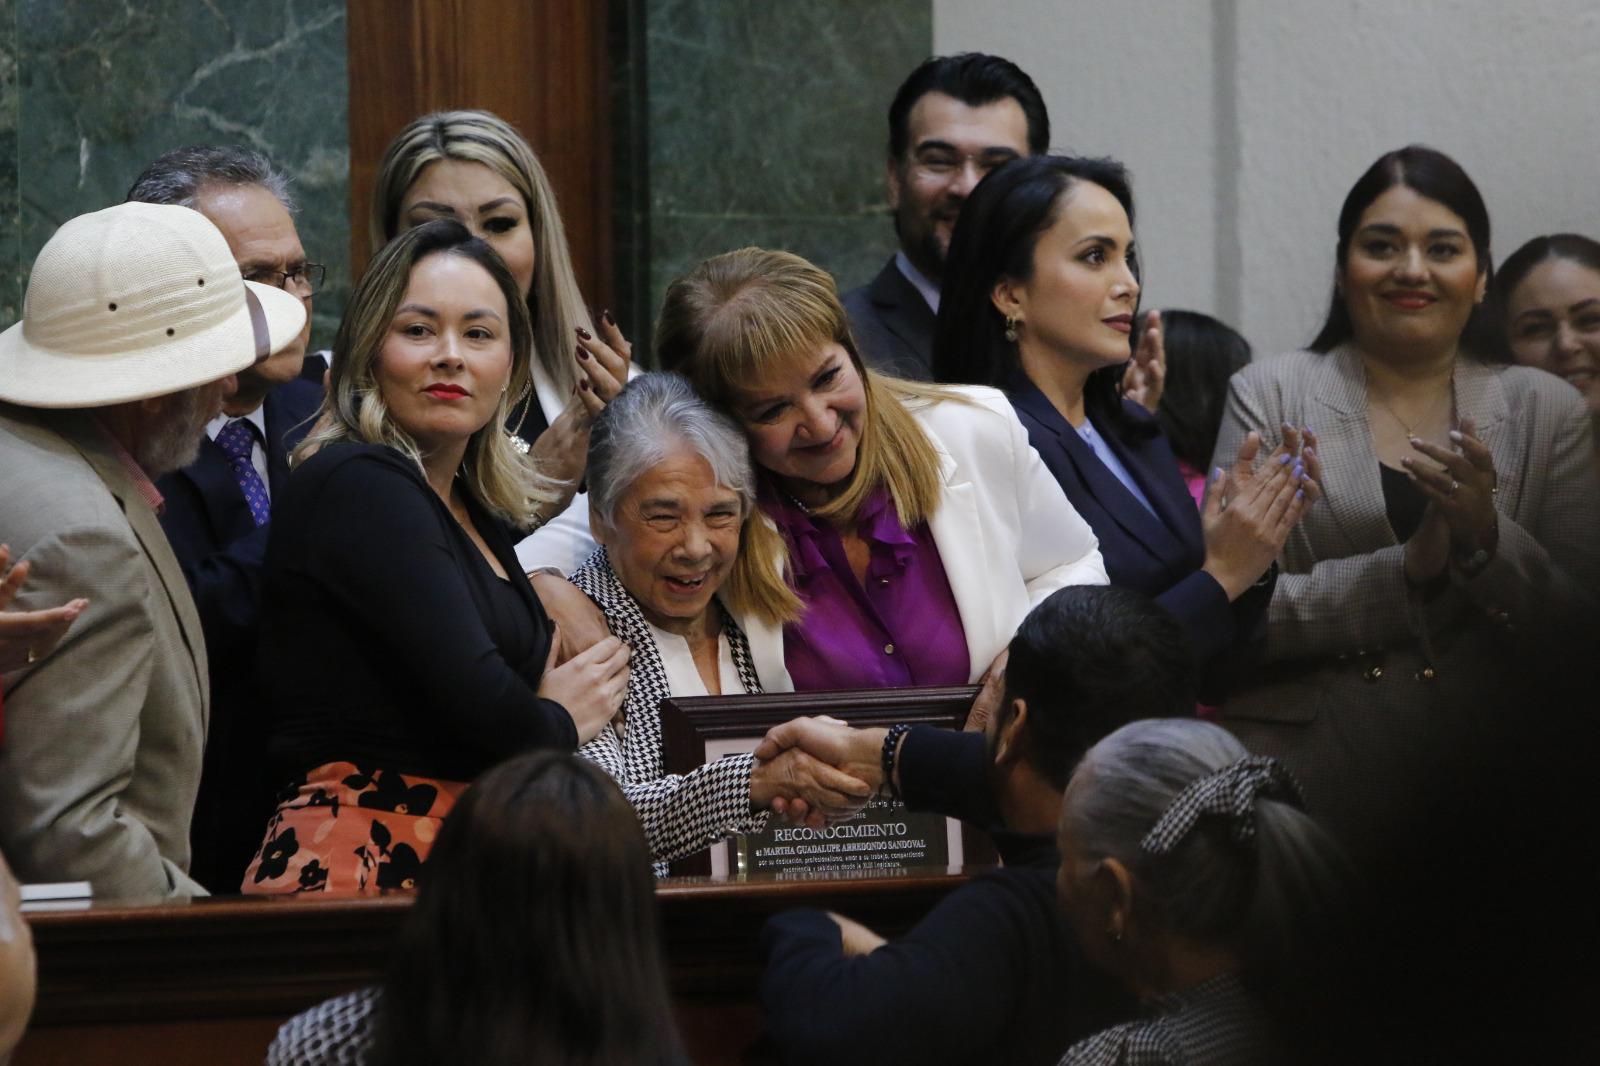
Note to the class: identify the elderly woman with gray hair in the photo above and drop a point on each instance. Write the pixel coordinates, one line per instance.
(683, 553)
(1191, 873)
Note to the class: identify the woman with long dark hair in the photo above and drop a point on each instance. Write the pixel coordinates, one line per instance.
(1461, 504)
(534, 941)
(1039, 297)
(1202, 354)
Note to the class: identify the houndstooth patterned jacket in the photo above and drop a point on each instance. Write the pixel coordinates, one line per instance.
(680, 813)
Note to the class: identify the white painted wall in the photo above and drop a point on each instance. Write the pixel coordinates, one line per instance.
(1246, 121)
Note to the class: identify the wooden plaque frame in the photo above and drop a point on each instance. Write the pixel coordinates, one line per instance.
(689, 724)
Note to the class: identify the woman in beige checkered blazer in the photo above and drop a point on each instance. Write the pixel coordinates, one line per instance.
(1462, 510)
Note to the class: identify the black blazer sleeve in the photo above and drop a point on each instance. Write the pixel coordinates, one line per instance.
(949, 991)
(942, 770)
(379, 548)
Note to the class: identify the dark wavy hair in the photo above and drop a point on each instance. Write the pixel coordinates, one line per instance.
(1430, 173)
(975, 79)
(534, 937)
(1090, 659)
(1202, 354)
(995, 237)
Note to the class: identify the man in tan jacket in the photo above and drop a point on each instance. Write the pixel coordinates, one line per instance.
(135, 322)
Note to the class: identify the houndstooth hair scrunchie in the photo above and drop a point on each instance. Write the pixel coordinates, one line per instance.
(1230, 792)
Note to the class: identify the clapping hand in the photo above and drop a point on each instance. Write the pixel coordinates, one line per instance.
(1250, 511)
(28, 636)
(1460, 488)
(602, 363)
(1146, 376)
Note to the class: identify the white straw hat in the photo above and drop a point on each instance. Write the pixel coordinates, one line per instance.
(135, 301)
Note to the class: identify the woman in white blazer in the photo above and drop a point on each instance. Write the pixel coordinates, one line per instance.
(918, 525)
(472, 166)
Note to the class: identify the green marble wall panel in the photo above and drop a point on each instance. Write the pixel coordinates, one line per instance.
(11, 269)
(104, 86)
(766, 125)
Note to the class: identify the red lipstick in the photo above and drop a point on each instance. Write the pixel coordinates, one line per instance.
(1410, 299)
(444, 391)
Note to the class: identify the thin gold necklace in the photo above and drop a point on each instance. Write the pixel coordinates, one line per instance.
(1402, 423)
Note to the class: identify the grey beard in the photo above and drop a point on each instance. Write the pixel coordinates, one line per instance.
(174, 442)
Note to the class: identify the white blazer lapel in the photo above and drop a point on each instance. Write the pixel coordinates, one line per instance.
(958, 532)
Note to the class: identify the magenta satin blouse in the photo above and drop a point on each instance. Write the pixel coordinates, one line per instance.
(901, 629)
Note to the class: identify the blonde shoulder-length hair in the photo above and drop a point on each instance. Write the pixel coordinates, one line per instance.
(554, 302)
(502, 478)
(739, 317)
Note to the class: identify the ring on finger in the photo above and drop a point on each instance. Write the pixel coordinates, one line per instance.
(33, 656)
(1455, 486)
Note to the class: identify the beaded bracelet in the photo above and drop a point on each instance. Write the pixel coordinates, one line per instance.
(891, 744)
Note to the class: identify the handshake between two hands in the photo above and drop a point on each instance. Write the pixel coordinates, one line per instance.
(813, 771)
(816, 770)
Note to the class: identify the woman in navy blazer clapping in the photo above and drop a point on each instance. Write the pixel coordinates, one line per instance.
(1039, 298)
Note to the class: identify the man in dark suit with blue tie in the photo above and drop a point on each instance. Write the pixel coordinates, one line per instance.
(952, 121)
(218, 508)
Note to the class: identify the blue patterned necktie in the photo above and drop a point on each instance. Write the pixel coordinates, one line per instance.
(237, 440)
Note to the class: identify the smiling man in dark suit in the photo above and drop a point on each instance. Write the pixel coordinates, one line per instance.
(952, 121)
(219, 506)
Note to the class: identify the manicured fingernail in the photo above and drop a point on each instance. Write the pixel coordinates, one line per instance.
(584, 385)
(583, 333)
(1405, 460)
(1415, 441)
(1299, 471)
(1283, 460)
(1216, 473)
(583, 353)
(1456, 436)
(606, 314)
(1299, 494)
(1308, 452)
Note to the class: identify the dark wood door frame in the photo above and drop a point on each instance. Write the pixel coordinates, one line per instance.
(542, 65)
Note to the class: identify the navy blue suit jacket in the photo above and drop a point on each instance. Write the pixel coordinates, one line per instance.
(222, 554)
(1157, 554)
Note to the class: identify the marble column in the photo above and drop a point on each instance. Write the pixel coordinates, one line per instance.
(12, 269)
(93, 90)
(767, 125)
